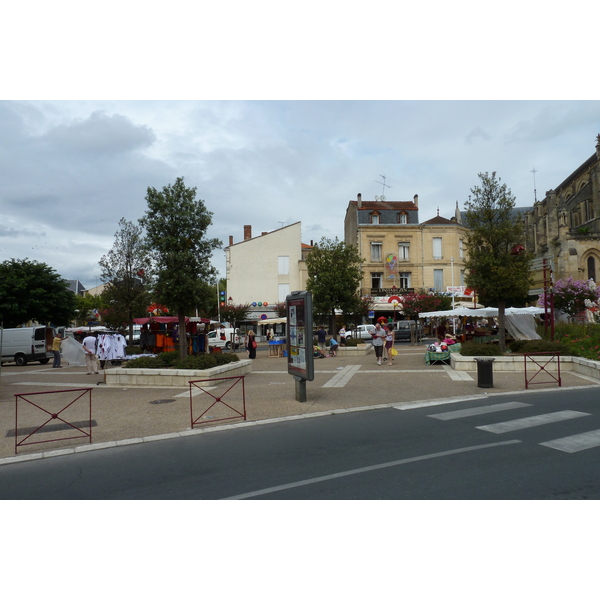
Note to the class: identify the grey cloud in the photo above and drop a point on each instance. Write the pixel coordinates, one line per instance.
(477, 135)
(101, 133)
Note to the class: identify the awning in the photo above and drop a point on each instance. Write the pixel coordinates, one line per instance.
(272, 321)
(481, 312)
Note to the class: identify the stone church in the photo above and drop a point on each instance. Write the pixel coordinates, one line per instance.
(565, 226)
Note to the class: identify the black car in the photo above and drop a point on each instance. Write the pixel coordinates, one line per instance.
(402, 330)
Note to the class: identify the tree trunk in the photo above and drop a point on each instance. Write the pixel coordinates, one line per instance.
(182, 334)
(501, 325)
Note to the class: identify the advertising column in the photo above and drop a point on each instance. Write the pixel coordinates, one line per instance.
(300, 340)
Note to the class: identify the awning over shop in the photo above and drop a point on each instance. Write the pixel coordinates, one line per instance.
(481, 312)
(272, 321)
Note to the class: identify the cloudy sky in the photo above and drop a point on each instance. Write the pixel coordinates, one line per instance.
(71, 168)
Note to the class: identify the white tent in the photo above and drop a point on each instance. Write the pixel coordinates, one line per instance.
(519, 321)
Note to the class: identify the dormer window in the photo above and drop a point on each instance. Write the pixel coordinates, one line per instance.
(375, 218)
(402, 218)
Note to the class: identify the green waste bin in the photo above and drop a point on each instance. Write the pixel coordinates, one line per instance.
(485, 372)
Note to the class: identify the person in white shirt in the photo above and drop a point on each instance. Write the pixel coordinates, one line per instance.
(378, 335)
(91, 360)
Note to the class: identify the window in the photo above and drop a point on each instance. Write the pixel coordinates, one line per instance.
(402, 218)
(284, 291)
(376, 279)
(404, 280)
(438, 279)
(376, 251)
(591, 266)
(461, 250)
(283, 265)
(437, 247)
(375, 218)
(403, 251)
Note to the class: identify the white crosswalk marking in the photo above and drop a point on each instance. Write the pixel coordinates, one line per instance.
(527, 422)
(343, 377)
(575, 443)
(456, 375)
(481, 410)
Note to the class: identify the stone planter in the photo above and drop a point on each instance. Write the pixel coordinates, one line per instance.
(173, 377)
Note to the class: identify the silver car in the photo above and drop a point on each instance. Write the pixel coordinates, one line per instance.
(362, 332)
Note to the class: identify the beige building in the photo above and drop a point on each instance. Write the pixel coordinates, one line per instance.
(263, 270)
(564, 227)
(400, 254)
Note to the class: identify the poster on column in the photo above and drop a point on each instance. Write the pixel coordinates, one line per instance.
(300, 334)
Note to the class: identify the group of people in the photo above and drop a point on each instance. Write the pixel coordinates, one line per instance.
(384, 337)
(89, 344)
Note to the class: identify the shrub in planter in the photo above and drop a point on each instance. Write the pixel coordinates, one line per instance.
(475, 349)
(530, 346)
(352, 342)
(144, 362)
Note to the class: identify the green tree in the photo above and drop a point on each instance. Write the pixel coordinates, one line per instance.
(126, 269)
(413, 304)
(33, 291)
(176, 225)
(498, 267)
(334, 276)
(86, 305)
(234, 313)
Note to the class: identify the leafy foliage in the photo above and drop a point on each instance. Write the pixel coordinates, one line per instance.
(176, 225)
(126, 270)
(475, 349)
(171, 360)
(413, 304)
(33, 291)
(234, 313)
(334, 276)
(498, 267)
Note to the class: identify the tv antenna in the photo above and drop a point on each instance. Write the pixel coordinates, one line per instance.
(384, 185)
(534, 190)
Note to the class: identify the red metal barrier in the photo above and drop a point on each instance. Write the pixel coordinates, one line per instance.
(216, 402)
(51, 416)
(553, 358)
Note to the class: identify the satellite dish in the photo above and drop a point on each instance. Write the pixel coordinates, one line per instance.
(382, 198)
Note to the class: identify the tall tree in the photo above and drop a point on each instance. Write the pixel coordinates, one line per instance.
(334, 276)
(498, 267)
(176, 225)
(126, 269)
(33, 291)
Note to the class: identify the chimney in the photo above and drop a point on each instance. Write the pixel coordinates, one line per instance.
(247, 232)
(359, 200)
(416, 199)
(231, 240)
(264, 233)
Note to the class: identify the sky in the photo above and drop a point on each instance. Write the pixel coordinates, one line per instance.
(70, 170)
(87, 127)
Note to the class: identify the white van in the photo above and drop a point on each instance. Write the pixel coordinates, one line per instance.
(215, 340)
(24, 344)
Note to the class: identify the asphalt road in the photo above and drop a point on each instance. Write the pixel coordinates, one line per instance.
(523, 446)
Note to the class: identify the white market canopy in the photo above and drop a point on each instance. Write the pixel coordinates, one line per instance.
(487, 312)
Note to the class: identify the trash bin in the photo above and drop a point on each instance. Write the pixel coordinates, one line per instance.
(485, 372)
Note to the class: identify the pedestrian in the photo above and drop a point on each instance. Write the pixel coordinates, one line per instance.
(270, 334)
(378, 335)
(251, 345)
(91, 358)
(389, 343)
(321, 338)
(333, 347)
(343, 336)
(56, 343)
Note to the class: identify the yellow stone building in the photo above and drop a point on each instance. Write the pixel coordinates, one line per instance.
(400, 254)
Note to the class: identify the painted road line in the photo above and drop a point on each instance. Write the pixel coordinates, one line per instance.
(195, 392)
(480, 410)
(92, 383)
(341, 378)
(527, 422)
(575, 443)
(395, 463)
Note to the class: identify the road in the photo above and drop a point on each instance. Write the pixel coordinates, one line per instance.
(542, 445)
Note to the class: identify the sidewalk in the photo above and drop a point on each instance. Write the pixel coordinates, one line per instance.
(128, 415)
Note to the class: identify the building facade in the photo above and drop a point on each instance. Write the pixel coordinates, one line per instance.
(400, 254)
(564, 227)
(263, 270)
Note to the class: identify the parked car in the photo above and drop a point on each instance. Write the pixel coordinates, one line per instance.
(214, 338)
(402, 330)
(362, 332)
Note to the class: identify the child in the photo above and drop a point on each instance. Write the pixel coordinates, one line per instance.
(333, 345)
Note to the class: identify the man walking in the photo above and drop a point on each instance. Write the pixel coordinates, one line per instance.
(91, 360)
(378, 336)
